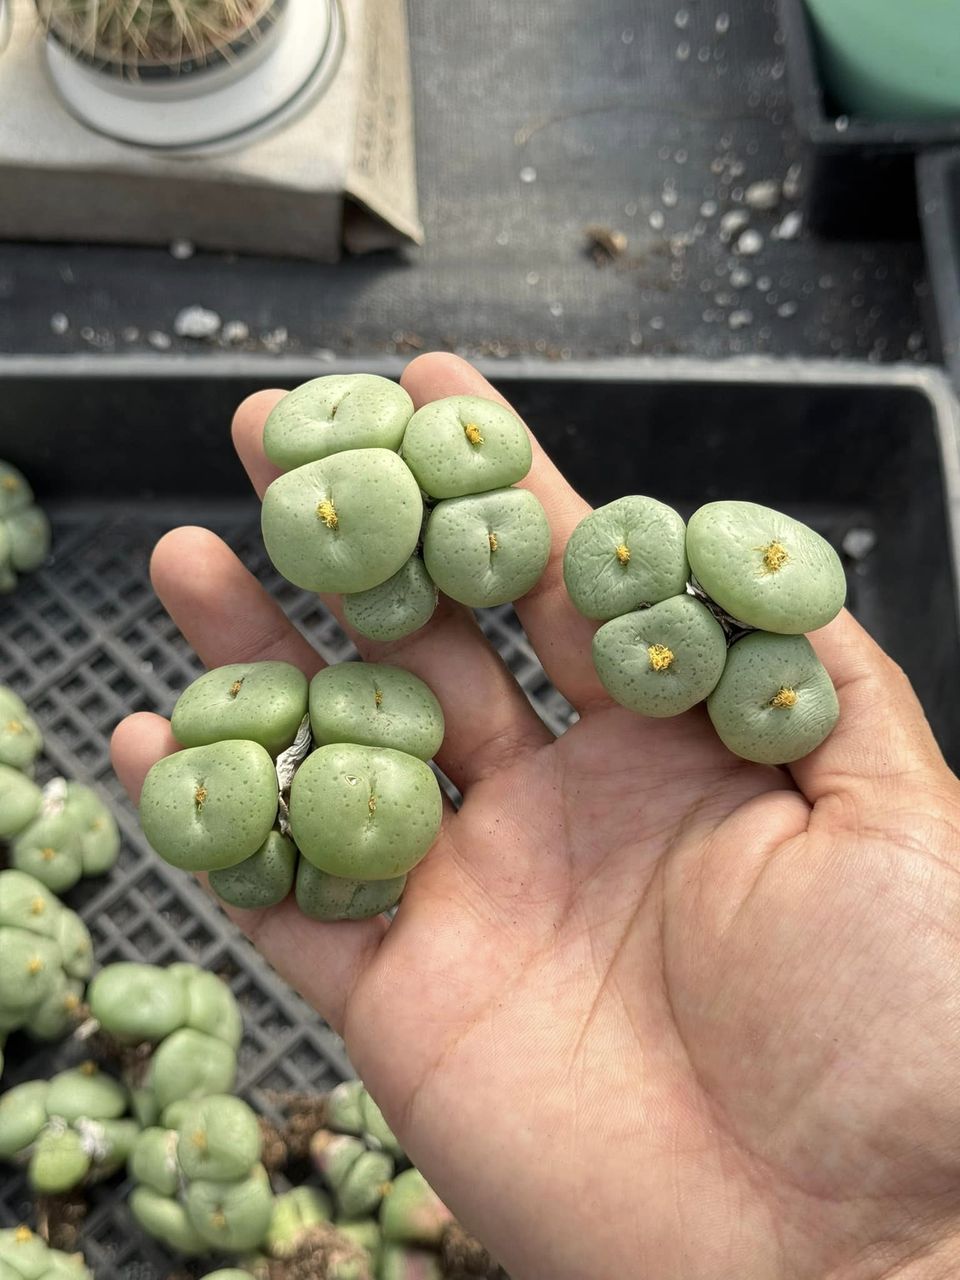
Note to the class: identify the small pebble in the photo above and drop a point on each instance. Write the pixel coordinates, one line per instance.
(59, 323)
(182, 249)
(528, 173)
(858, 543)
(235, 331)
(763, 195)
(791, 183)
(196, 322)
(750, 243)
(733, 222)
(789, 227)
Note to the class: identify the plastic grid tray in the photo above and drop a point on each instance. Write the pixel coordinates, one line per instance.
(85, 642)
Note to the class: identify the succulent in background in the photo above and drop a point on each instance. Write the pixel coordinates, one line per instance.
(71, 1131)
(138, 34)
(24, 529)
(45, 957)
(20, 738)
(200, 1186)
(70, 834)
(25, 1256)
(175, 1031)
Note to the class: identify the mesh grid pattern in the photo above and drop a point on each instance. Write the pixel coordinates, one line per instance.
(85, 642)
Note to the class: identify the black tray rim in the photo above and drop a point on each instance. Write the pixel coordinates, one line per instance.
(941, 242)
(932, 384)
(819, 127)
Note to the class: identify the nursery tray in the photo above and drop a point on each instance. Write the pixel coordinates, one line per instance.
(938, 179)
(860, 175)
(121, 450)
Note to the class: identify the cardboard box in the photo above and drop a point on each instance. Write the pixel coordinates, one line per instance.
(341, 174)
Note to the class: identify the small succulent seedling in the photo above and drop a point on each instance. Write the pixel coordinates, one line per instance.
(661, 661)
(210, 807)
(334, 414)
(20, 738)
(325, 897)
(623, 556)
(357, 1176)
(262, 702)
(364, 813)
(775, 702)
(413, 1213)
(463, 444)
(764, 568)
(262, 880)
(24, 529)
(26, 1256)
(396, 608)
(45, 956)
(344, 524)
(351, 1109)
(489, 548)
(375, 705)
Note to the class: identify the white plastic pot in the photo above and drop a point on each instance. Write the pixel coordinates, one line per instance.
(211, 106)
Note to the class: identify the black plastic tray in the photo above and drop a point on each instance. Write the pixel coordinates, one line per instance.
(860, 174)
(938, 181)
(121, 451)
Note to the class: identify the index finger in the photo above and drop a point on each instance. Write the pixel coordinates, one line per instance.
(561, 637)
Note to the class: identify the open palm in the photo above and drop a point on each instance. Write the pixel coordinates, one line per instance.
(645, 1010)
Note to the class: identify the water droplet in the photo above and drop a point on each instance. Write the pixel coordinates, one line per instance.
(683, 51)
(502, 237)
(740, 319)
(533, 277)
(657, 322)
(669, 195)
(59, 324)
(664, 153)
(787, 309)
(703, 53)
(528, 173)
(722, 24)
(681, 18)
(764, 284)
(182, 249)
(626, 37)
(657, 220)
(708, 209)
(842, 124)
(680, 156)
(630, 209)
(733, 221)
(740, 277)
(556, 308)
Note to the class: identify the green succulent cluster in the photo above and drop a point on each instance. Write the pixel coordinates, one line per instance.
(323, 788)
(45, 957)
(24, 529)
(387, 506)
(714, 611)
(184, 1025)
(26, 1256)
(200, 1186)
(70, 1131)
(55, 834)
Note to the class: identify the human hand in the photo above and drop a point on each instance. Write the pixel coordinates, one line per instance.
(645, 1010)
